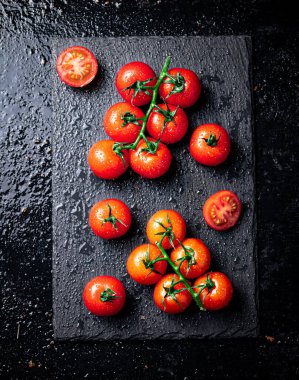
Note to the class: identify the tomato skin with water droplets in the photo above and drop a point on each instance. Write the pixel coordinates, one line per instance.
(136, 264)
(76, 66)
(190, 94)
(174, 131)
(104, 162)
(130, 73)
(168, 304)
(94, 300)
(150, 165)
(116, 227)
(115, 126)
(201, 258)
(219, 296)
(210, 144)
(154, 228)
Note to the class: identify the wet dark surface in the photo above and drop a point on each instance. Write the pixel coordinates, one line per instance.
(25, 195)
(224, 66)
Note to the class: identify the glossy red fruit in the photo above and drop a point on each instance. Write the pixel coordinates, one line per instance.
(110, 218)
(150, 165)
(104, 296)
(122, 122)
(186, 85)
(176, 123)
(104, 162)
(217, 291)
(167, 303)
(139, 264)
(76, 66)
(134, 73)
(210, 144)
(160, 221)
(193, 257)
(222, 210)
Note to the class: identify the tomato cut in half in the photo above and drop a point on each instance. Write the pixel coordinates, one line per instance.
(222, 210)
(76, 66)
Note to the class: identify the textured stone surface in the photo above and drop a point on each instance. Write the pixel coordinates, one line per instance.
(25, 239)
(223, 64)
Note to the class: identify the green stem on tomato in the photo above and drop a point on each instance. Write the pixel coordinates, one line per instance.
(176, 269)
(118, 146)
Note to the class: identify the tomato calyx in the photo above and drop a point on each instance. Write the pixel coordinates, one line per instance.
(112, 219)
(189, 256)
(150, 264)
(212, 140)
(168, 232)
(129, 118)
(178, 83)
(168, 115)
(151, 146)
(209, 285)
(172, 292)
(108, 295)
(140, 86)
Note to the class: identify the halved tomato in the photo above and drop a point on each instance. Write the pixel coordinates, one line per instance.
(222, 210)
(76, 66)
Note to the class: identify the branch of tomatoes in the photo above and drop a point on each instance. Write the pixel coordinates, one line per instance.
(176, 268)
(152, 146)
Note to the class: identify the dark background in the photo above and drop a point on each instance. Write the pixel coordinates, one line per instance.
(25, 174)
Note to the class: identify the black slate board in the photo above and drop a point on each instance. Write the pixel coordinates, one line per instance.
(223, 64)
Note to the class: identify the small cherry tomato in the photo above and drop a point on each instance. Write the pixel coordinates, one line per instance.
(193, 257)
(182, 89)
(169, 296)
(216, 290)
(210, 144)
(110, 218)
(76, 66)
(222, 210)
(168, 123)
(131, 78)
(150, 165)
(104, 162)
(104, 296)
(122, 122)
(160, 222)
(140, 264)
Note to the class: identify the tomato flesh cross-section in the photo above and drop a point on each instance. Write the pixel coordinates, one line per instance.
(222, 210)
(76, 66)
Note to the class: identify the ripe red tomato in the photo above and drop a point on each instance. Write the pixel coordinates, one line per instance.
(158, 224)
(167, 123)
(222, 210)
(141, 269)
(194, 256)
(218, 291)
(110, 218)
(104, 296)
(76, 66)
(150, 165)
(183, 89)
(166, 295)
(210, 144)
(122, 122)
(128, 81)
(104, 162)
